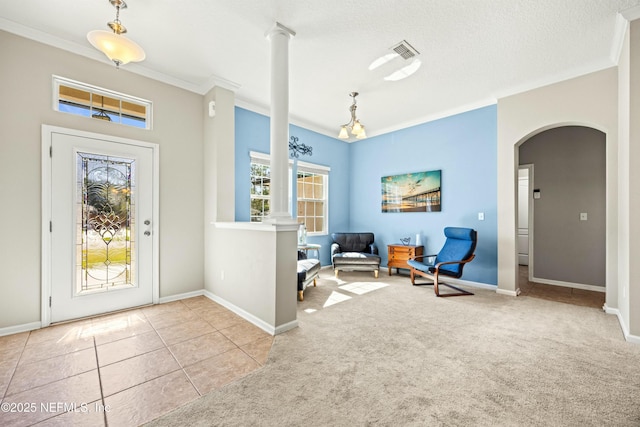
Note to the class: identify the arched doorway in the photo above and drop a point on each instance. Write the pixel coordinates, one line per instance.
(567, 216)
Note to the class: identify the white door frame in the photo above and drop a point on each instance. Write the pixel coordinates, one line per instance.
(47, 133)
(530, 168)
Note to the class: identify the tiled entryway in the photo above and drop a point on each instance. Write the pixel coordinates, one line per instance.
(127, 368)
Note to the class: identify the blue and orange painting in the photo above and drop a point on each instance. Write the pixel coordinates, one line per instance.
(411, 192)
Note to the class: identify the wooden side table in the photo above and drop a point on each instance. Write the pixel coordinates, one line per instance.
(400, 254)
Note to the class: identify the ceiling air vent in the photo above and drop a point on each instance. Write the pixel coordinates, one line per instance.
(405, 50)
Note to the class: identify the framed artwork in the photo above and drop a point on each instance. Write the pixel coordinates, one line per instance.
(411, 192)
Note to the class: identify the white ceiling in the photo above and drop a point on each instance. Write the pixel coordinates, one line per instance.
(473, 51)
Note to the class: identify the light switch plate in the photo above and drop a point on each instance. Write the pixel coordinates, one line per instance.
(583, 216)
(481, 216)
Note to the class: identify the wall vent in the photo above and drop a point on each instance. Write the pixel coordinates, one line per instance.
(405, 50)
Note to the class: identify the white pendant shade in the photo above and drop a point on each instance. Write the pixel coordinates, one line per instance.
(117, 48)
(343, 133)
(354, 125)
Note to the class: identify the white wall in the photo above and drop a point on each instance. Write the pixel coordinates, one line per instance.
(590, 100)
(26, 88)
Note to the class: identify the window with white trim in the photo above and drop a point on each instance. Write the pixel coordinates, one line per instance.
(260, 187)
(85, 100)
(313, 195)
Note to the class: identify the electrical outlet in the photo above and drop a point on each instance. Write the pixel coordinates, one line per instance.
(583, 216)
(480, 216)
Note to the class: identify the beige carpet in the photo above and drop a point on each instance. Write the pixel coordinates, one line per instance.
(397, 355)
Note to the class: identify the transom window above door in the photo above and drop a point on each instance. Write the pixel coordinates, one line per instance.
(98, 103)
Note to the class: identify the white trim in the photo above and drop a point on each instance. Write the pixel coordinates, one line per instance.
(530, 213)
(619, 32)
(508, 292)
(472, 284)
(631, 13)
(200, 87)
(272, 330)
(257, 226)
(286, 327)
(313, 168)
(261, 158)
(45, 277)
(92, 90)
(461, 282)
(45, 217)
(10, 330)
(179, 297)
(634, 339)
(593, 288)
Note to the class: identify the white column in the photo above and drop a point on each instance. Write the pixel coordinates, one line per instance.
(279, 37)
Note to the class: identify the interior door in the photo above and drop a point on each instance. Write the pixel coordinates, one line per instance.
(523, 216)
(102, 239)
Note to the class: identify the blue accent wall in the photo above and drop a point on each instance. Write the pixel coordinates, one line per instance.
(463, 147)
(252, 134)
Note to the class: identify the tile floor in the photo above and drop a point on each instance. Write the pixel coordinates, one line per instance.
(138, 364)
(558, 293)
(128, 368)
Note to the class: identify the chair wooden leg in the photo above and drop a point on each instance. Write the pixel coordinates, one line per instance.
(412, 274)
(375, 273)
(300, 295)
(314, 282)
(461, 292)
(336, 273)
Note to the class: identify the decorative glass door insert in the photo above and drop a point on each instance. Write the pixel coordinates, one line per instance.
(105, 225)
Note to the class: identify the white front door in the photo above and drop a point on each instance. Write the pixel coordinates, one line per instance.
(102, 224)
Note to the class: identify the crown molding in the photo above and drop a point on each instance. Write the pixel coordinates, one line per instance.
(631, 14)
(91, 53)
(619, 32)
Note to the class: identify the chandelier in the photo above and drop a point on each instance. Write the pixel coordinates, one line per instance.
(354, 126)
(113, 44)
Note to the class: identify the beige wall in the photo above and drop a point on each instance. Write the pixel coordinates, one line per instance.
(590, 100)
(26, 87)
(630, 173)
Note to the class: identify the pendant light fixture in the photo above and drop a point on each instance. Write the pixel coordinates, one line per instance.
(354, 126)
(113, 44)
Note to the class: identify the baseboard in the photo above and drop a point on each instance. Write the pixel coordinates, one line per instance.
(634, 339)
(178, 297)
(468, 283)
(286, 327)
(508, 292)
(270, 329)
(570, 285)
(10, 330)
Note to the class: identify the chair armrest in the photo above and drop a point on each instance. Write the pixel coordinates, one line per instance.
(419, 257)
(373, 249)
(464, 261)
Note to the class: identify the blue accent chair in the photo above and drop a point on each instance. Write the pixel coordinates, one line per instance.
(458, 250)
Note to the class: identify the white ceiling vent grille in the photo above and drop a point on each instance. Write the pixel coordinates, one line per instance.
(405, 50)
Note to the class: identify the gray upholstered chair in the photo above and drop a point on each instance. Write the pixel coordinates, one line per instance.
(354, 252)
(458, 250)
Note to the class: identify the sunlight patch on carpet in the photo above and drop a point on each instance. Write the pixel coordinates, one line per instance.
(360, 288)
(310, 310)
(335, 298)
